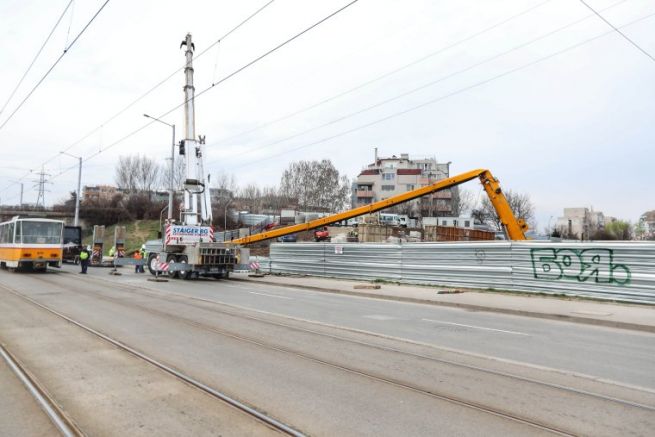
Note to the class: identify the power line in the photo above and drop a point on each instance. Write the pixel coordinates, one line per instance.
(229, 76)
(225, 78)
(35, 57)
(142, 96)
(618, 31)
(54, 65)
(443, 97)
(385, 75)
(426, 85)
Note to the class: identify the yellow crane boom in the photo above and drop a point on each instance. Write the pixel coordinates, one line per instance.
(515, 228)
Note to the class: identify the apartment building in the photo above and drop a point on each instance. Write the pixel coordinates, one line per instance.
(386, 177)
(581, 222)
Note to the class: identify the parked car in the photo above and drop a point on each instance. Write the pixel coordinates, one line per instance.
(292, 238)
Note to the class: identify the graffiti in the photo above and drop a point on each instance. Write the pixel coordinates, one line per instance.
(582, 265)
(480, 255)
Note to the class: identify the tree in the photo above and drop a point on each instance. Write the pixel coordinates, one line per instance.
(179, 175)
(520, 204)
(315, 185)
(461, 201)
(620, 229)
(137, 173)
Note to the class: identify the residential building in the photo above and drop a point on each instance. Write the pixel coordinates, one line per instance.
(647, 220)
(387, 177)
(95, 193)
(581, 223)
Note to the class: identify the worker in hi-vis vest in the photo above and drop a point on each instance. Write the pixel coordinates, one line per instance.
(84, 259)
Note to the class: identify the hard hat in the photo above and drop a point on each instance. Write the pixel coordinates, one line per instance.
(88, 247)
(143, 246)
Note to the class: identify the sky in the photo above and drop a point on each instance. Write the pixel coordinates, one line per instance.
(543, 93)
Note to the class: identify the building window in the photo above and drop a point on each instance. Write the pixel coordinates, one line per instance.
(388, 176)
(455, 223)
(444, 223)
(388, 187)
(467, 224)
(410, 187)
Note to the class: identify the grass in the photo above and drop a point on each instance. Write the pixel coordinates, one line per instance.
(137, 233)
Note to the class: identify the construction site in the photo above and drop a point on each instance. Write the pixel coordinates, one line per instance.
(419, 297)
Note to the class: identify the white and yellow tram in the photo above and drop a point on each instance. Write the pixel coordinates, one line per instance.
(31, 243)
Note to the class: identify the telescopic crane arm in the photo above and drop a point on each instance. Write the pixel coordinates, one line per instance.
(515, 228)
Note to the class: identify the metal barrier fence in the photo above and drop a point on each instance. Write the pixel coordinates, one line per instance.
(608, 270)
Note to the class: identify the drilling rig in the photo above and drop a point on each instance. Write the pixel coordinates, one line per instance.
(188, 247)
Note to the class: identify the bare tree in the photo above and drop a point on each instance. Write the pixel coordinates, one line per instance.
(461, 201)
(137, 173)
(315, 185)
(179, 174)
(521, 206)
(251, 195)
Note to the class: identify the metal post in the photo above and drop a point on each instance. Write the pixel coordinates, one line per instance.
(21, 194)
(172, 179)
(79, 193)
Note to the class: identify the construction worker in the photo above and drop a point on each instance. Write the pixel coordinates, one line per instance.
(138, 257)
(143, 256)
(85, 254)
(112, 251)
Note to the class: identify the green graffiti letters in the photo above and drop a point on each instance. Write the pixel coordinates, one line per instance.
(579, 265)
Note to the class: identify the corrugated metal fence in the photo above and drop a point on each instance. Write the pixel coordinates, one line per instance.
(610, 270)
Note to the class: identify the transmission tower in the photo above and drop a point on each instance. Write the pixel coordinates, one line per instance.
(40, 186)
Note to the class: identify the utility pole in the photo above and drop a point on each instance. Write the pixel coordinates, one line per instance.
(79, 186)
(21, 194)
(171, 190)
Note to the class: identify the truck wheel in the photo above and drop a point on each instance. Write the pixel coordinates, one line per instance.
(152, 264)
(172, 259)
(184, 274)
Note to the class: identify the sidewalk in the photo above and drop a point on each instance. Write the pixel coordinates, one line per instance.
(620, 315)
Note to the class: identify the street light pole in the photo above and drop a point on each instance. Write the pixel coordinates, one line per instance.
(79, 187)
(171, 191)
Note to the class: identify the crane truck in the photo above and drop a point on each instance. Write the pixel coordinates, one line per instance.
(188, 248)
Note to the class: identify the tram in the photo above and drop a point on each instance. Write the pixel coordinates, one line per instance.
(31, 243)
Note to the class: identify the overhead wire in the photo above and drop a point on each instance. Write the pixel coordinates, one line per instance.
(637, 46)
(443, 97)
(38, 53)
(149, 91)
(421, 87)
(225, 78)
(384, 75)
(20, 105)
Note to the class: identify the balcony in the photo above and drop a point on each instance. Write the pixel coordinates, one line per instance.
(365, 193)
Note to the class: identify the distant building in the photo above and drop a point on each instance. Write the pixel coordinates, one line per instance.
(581, 223)
(387, 177)
(647, 220)
(95, 193)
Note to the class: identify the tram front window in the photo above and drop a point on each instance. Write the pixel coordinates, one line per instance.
(40, 233)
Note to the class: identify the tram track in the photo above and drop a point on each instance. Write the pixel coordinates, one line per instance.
(62, 422)
(183, 299)
(377, 377)
(217, 394)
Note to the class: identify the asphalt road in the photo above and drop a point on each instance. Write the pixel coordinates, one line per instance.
(277, 350)
(618, 355)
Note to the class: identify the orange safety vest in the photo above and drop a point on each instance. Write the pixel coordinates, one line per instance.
(137, 255)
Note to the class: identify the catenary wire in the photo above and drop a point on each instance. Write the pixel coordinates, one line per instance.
(421, 87)
(637, 46)
(149, 91)
(229, 76)
(38, 53)
(384, 75)
(445, 96)
(20, 105)
(235, 72)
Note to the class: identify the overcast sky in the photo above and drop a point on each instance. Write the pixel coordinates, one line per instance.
(471, 82)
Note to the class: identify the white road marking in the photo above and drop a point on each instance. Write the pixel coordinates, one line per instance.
(380, 317)
(475, 327)
(269, 295)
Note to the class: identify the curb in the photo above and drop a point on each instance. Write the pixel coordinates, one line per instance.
(549, 316)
